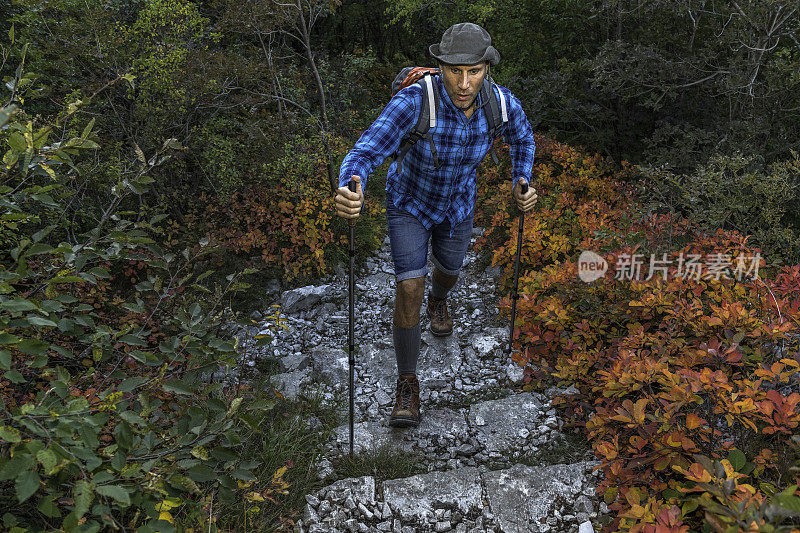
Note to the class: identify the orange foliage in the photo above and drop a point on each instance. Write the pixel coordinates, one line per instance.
(293, 233)
(686, 373)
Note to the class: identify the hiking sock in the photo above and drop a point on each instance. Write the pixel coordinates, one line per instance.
(437, 291)
(406, 348)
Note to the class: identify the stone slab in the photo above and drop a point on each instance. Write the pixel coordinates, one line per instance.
(290, 383)
(415, 498)
(293, 362)
(442, 427)
(331, 365)
(378, 361)
(506, 424)
(300, 299)
(521, 497)
(439, 361)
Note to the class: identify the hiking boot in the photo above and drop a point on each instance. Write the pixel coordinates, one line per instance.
(441, 323)
(406, 403)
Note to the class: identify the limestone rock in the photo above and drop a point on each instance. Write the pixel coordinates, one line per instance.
(293, 362)
(522, 496)
(514, 373)
(487, 342)
(499, 423)
(444, 426)
(331, 365)
(415, 498)
(296, 300)
(290, 383)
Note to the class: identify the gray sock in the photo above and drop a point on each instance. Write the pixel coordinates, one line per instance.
(406, 348)
(437, 291)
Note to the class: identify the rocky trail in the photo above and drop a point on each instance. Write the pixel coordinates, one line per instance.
(491, 456)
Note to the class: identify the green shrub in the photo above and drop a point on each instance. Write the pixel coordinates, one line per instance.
(107, 342)
(735, 193)
(220, 157)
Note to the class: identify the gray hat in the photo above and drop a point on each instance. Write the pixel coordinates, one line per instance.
(465, 44)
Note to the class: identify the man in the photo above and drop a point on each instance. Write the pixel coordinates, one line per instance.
(433, 196)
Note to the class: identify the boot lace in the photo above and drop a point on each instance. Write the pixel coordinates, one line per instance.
(405, 394)
(439, 308)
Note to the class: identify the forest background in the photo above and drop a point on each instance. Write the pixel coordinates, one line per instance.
(165, 159)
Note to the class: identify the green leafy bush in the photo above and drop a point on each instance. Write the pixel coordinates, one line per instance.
(107, 342)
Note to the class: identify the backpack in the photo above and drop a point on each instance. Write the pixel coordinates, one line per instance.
(496, 112)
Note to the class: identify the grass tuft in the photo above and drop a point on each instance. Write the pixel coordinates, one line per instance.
(383, 464)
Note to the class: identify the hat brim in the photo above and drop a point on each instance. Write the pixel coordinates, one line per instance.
(490, 54)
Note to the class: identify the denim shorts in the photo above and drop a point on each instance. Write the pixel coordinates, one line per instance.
(408, 239)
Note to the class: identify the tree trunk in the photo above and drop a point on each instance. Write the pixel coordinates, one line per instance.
(306, 36)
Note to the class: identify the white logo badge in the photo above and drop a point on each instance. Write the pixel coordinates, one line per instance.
(591, 266)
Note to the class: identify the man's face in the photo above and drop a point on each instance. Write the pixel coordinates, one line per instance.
(463, 83)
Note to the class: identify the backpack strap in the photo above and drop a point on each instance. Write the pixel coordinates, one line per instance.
(425, 121)
(496, 112)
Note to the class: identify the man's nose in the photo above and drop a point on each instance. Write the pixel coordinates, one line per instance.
(463, 81)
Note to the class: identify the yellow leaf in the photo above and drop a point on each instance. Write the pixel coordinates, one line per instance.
(254, 497)
(638, 410)
(610, 494)
(200, 453)
(747, 487)
(729, 471)
(674, 442)
(169, 503)
(49, 170)
(637, 511)
(165, 515)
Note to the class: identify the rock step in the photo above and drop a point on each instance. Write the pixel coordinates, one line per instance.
(493, 432)
(452, 370)
(556, 498)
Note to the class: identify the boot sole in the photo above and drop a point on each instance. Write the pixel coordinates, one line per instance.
(403, 422)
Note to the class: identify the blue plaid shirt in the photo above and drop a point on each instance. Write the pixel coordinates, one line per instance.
(428, 193)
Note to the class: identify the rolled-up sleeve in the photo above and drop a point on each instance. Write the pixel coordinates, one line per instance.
(382, 138)
(519, 135)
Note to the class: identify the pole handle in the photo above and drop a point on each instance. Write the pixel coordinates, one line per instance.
(524, 188)
(352, 186)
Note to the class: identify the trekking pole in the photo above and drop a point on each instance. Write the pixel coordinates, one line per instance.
(350, 335)
(515, 294)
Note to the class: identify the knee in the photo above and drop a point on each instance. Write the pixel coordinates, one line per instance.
(408, 301)
(411, 290)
